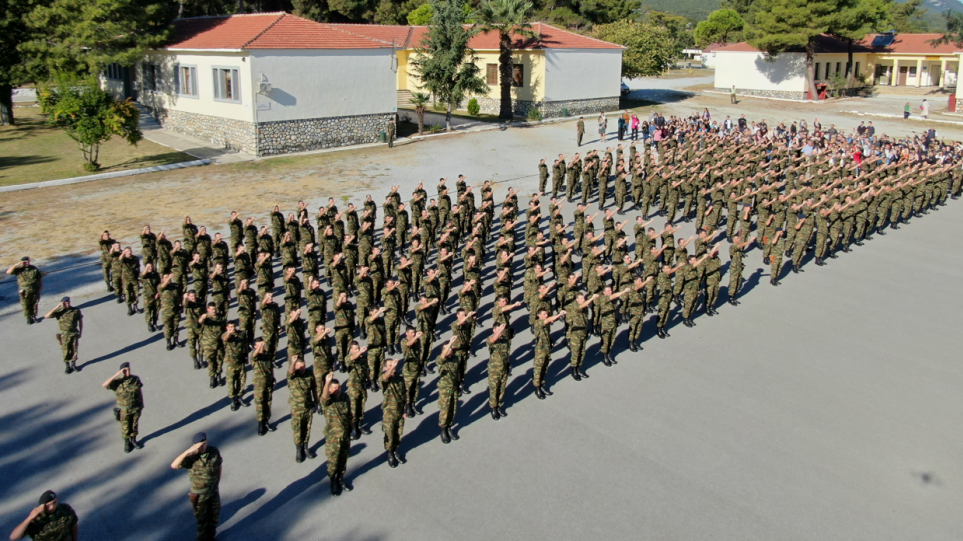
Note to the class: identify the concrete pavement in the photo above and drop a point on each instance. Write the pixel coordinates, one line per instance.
(821, 409)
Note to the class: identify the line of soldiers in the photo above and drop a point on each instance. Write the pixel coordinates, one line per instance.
(376, 281)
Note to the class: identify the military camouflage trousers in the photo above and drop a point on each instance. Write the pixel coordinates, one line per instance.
(236, 379)
(301, 424)
(128, 422)
(393, 425)
(69, 343)
(207, 512)
(337, 445)
(263, 394)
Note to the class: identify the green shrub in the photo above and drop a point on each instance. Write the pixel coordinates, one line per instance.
(434, 128)
(473, 107)
(534, 113)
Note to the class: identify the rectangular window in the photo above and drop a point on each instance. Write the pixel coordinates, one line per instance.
(150, 77)
(518, 75)
(226, 84)
(491, 74)
(113, 71)
(912, 71)
(816, 77)
(185, 80)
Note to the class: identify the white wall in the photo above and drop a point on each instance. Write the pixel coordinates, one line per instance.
(166, 96)
(751, 70)
(579, 74)
(319, 83)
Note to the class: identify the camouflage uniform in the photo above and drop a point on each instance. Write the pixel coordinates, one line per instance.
(412, 370)
(28, 282)
(498, 368)
(337, 428)
(449, 379)
(56, 526)
(170, 310)
(576, 333)
(393, 409)
(270, 328)
(263, 365)
(376, 345)
(149, 282)
(192, 311)
(296, 340)
(605, 307)
(205, 474)
(343, 329)
(543, 351)
(235, 356)
(211, 344)
(130, 402)
(69, 319)
(302, 399)
(633, 306)
(357, 388)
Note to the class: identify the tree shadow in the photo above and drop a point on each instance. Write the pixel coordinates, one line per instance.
(196, 416)
(126, 349)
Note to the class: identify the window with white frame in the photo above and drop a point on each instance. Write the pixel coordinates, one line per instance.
(227, 86)
(185, 80)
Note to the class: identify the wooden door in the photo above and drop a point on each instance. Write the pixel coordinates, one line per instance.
(902, 75)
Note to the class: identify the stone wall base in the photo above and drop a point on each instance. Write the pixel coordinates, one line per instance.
(767, 93)
(281, 137)
(223, 132)
(316, 133)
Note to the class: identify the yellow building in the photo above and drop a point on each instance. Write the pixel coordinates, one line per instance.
(558, 71)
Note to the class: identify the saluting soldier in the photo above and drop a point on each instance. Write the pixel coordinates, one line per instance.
(29, 284)
(303, 400)
(51, 520)
(235, 359)
(203, 463)
(393, 409)
(337, 428)
(264, 380)
(71, 322)
(130, 402)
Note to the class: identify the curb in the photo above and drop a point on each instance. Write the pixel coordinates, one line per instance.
(101, 176)
(743, 96)
(900, 117)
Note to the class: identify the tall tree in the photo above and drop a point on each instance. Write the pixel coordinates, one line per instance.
(507, 18)
(13, 31)
(443, 61)
(721, 26)
(648, 48)
(82, 36)
(785, 25)
(853, 21)
(908, 17)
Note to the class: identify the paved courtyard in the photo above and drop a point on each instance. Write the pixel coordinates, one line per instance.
(821, 409)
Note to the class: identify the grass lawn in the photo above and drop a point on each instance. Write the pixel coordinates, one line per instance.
(33, 151)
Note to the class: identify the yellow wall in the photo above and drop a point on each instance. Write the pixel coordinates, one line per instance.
(533, 63)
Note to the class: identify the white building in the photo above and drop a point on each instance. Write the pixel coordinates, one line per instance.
(878, 59)
(270, 83)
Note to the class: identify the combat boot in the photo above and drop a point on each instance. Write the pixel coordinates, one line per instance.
(820, 262)
(69, 369)
(261, 430)
(128, 446)
(117, 413)
(575, 374)
(765, 260)
(375, 387)
(308, 452)
(445, 438)
(605, 359)
(213, 382)
(539, 393)
(234, 404)
(170, 344)
(581, 372)
(501, 411)
(136, 443)
(464, 388)
(151, 327)
(299, 453)
(270, 427)
(335, 488)
(392, 459)
(495, 414)
(364, 333)
(73, 364)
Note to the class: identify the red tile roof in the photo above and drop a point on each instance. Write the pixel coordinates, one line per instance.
(265, 31)
(905, 44)
(912, 44)
(548, 37)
